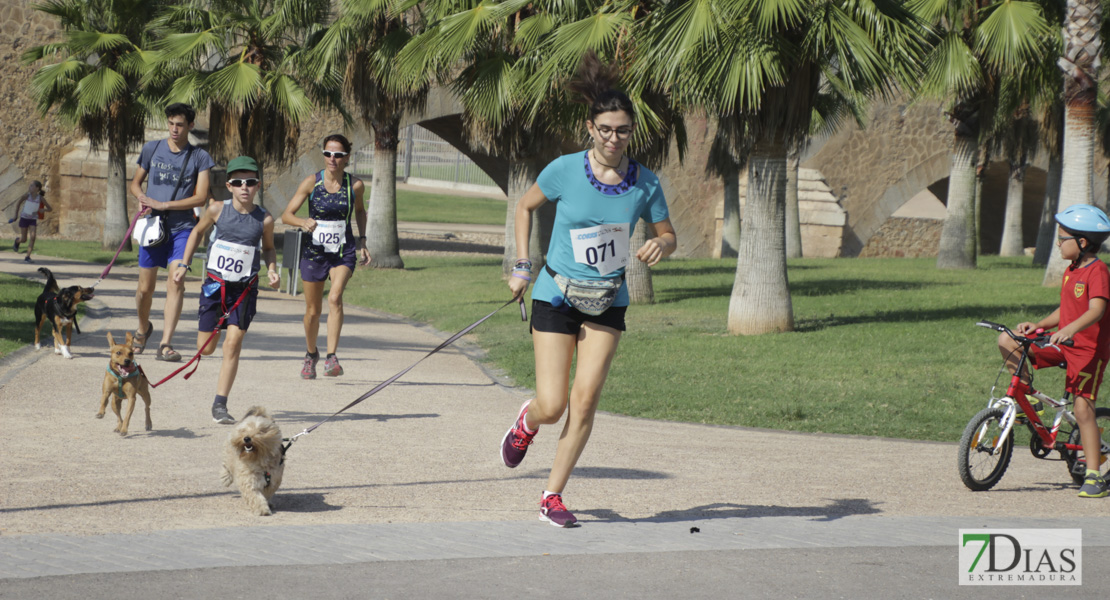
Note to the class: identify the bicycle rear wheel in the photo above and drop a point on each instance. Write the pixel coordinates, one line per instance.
(983, 457)
(1102, 419)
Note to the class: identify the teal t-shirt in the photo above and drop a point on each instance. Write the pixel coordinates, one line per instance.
(579, 206)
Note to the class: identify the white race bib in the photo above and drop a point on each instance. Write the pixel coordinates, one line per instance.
(329, 234)
(604, 247)
(231, 261)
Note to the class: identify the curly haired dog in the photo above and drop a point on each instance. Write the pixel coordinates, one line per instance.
(255, 459)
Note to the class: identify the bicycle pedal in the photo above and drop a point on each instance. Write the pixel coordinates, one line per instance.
(1079, 468)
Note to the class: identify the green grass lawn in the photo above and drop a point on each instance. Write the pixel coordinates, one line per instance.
(883, 347)
(442, 208)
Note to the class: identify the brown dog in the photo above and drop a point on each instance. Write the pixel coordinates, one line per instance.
(124, 378)
(59, 306)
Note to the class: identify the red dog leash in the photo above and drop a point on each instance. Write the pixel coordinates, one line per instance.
(126, 237)
(215, 332)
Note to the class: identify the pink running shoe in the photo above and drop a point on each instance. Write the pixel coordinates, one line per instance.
(555, 512)
(516, 441)
(308, 370)
(332, 367)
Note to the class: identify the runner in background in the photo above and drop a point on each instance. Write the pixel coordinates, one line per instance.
(231, 272)
(333, 197)
(30, 209)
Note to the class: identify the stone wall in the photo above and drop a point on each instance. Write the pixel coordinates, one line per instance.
(873, 172)
(29, 146)
(902, 237)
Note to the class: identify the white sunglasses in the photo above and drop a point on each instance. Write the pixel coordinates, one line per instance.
(329, 154)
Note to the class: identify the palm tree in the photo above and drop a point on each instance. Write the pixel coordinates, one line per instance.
(1079, 64)
(1052, 139)
(979, 47)
(363, 44)
(509, 64)
(763, 68)
(247, 60)
(96, 85)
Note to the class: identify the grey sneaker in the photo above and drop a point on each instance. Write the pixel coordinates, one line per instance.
(553, 511)
(1094, 486)
(220, 415)
(516, 441)
(15, 245)
(308, 370)
(332, 368)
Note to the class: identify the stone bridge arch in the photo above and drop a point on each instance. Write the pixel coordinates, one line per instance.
(904, 149)
(442, 115)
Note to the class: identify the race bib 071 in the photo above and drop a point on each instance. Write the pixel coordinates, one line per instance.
(604, 247)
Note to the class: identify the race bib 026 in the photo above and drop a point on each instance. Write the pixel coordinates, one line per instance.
(231, 261)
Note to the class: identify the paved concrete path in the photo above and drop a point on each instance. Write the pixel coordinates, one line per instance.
(405, 496)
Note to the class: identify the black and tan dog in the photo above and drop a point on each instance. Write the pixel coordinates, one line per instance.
(59, 306)
(124, 379)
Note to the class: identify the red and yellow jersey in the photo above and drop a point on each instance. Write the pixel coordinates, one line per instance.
(1079, 287)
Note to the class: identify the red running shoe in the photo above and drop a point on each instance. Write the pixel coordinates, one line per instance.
(555, 512)
(516, 441)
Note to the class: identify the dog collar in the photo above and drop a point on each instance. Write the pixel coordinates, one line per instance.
(120, 378)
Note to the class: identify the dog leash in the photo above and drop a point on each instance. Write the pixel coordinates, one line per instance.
(215, 332)
(126, 237)
(387, 382)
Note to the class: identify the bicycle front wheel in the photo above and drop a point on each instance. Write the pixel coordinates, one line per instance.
(983, 456)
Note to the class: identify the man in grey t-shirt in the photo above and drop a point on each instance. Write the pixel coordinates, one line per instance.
(160, 165)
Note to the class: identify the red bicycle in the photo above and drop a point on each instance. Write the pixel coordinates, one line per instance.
(988, 440)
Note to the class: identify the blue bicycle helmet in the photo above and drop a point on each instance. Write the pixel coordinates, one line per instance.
(1084, 218)
(1086, 221)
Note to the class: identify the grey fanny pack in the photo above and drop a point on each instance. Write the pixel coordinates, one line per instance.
(589, 296)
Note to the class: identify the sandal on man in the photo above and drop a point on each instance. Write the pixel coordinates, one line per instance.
(166, 353)
(138, 342)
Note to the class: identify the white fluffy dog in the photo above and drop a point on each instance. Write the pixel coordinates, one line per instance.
(255, 458)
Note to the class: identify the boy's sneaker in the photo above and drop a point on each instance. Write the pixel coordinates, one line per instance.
(555, 512)
(516, 441)
(332, 367)
(308, 371)
(221, 416)
(1094, 486)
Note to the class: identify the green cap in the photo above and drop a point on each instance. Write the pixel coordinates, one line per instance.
(242, 163)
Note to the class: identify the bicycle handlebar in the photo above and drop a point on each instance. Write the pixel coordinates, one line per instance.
(1040, 340)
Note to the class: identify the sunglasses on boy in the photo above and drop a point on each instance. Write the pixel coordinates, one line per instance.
(250, 182)
(336, 154)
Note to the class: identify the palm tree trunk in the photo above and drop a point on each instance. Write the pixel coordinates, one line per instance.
(115, 213)
(1082, 47)
(1076, 180)
(522, 175)
(638, 274)
(1046, 231)
(730, 227)
(957, 248)
(382, 211)
(793, 223)
(760, 301)
(1012, 242)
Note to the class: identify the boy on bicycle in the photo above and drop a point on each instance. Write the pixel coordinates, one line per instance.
(1082, 318)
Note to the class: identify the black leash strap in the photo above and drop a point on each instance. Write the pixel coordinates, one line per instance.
(387, 382)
